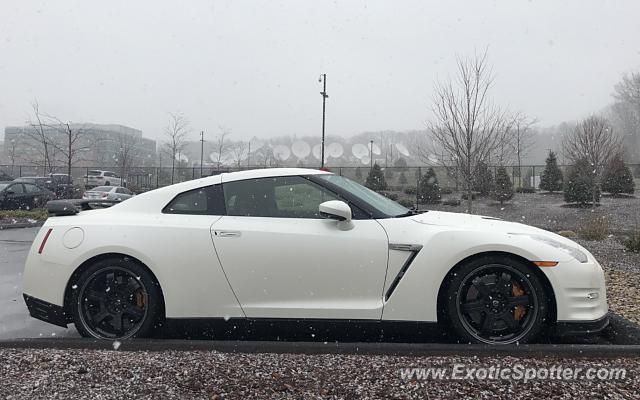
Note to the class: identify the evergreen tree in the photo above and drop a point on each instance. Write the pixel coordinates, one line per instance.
(580, 186)
(617, 177)
(551, 179)
(429, 188)
(403, 179)
(483, 182)
(400, 163)
(503, 188)
(375, 179)
(359, 173)
(388, 173)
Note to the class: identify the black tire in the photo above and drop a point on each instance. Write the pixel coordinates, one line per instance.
(495, 300)
(112, 290)
(107, 183)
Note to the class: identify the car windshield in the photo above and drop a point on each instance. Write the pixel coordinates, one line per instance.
(376, 200)
(102, 189)
(3, 185)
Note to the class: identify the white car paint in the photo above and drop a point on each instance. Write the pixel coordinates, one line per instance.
(226, 266)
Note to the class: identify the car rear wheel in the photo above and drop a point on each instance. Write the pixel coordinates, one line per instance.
(496, 300)
(115, 299)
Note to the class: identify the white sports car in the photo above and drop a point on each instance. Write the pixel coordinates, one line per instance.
(282, 244)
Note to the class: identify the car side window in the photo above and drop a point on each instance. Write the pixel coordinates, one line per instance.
(207, 200)
(31, 188)
(120, 190)
(16, 188)
(280, 197)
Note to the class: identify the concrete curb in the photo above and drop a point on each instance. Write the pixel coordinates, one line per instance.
(21, 225)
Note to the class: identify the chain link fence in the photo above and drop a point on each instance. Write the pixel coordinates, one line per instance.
(401, 180)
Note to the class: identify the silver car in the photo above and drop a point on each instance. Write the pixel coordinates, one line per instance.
(117, 193)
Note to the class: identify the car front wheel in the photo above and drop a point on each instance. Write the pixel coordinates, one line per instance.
(496, 300)
(115, 299)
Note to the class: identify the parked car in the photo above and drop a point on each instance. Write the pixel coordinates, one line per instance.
(290, 243)
(42, 181)
(103, 178)
(23, 196)
(55, 183)
(63, 185)
(116, 193)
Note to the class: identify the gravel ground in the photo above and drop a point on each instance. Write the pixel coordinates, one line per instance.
(548, 211)
(83, 374)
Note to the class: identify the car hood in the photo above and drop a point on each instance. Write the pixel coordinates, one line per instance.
(469, 222)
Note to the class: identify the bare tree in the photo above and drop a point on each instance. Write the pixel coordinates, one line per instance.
(177, 132)
(221, 145)
(71, 141)
(128, 150)
(627, 111)
(593, 140)
(467, 127)
(239, 152)
(522, 139)
(628, 90)
(38, 133)
(11, 151)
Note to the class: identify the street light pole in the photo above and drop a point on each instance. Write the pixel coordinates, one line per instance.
(371, 153)
(201, 151)
(323, 79)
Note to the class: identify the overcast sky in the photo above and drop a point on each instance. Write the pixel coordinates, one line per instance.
(253, 66)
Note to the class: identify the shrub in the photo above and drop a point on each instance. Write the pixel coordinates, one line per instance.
(451, 202)
(428, 188)
(406, 203)
(503, 188)
(483, 182)
(551, 179)
(632, 243)
(580, 186)
(39, 214)
(595, 228)
(525, 190)
(411, 190)
(403, 178)
(390, 195)
(375, 179)
(617, 177)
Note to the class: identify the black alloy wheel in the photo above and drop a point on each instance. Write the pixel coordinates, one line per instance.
(115, 299)
(496, 301)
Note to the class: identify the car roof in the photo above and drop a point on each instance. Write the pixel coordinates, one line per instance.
(154, 200)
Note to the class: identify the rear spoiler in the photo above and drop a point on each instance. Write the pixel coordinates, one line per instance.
(74, 206)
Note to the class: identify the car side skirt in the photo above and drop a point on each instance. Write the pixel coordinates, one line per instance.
(301, 329)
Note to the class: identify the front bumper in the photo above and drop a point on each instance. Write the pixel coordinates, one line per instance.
(579, 328)
(45, 311)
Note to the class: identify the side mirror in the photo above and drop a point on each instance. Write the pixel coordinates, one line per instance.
(335, 209)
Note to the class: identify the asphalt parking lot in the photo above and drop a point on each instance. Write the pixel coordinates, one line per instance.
(15, 322)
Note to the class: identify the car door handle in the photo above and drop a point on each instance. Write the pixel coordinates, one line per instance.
(227, 233)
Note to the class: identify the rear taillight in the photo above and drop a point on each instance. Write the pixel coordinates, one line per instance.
(44, 240)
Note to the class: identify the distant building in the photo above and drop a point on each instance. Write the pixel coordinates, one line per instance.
(100, 145)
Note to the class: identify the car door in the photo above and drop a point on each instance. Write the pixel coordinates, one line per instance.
(284, 261)
(33, 195)
(15, 197)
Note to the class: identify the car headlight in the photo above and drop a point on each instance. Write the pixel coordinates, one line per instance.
(572, 251)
